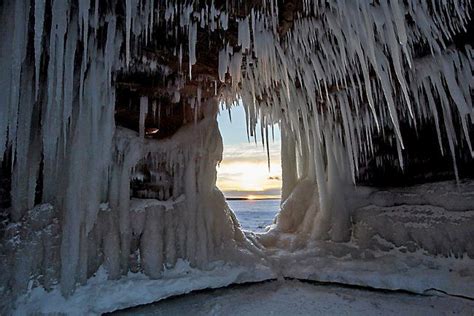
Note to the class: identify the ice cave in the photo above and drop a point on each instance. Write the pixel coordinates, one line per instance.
(109, 144)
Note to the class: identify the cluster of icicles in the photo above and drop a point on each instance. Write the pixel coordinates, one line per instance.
(348, 70)
(353, 69)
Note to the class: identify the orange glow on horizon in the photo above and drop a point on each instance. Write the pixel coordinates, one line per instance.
(262, 197)
(243, 172)
(250, 178)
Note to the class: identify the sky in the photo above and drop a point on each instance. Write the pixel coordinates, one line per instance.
(244, 172)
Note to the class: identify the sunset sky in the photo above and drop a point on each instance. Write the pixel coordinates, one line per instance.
(244, 170)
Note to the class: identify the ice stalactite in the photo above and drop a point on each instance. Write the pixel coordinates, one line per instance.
(74, 123)
(192, 47)
(143, 114)
(343, 82)
(39, 27)
(244, 34)
(128, 27)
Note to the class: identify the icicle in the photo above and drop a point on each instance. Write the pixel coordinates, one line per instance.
(224, 19)
(192, 47)
(39, 26)
(267, 147)
(244, 34)
(143, 115)
(223, 64)
(128, 26)
(153, 107)
(96, 16)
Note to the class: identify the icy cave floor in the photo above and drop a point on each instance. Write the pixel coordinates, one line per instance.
(417, 273)
(371, 297)
(292, 297)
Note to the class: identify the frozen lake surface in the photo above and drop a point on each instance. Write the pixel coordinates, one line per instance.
(255, 215)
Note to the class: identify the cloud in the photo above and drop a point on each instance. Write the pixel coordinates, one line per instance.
(251, 151)
(244, 170)
(250, 154)
(273, 193)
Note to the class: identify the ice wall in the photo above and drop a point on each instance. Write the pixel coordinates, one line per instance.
(70, 169)
(57, 109)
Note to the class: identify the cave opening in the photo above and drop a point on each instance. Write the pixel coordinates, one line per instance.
(250, 174)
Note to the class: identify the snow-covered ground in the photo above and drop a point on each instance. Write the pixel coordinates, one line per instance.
(298, 298)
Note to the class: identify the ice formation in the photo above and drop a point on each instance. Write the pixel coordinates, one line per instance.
(335, 74)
